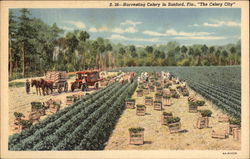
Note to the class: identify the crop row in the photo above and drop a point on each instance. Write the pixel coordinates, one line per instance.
(219, 84)
(56, 120)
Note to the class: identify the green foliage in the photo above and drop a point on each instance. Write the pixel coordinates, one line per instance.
(148, 97)
(130, 100)
(136, 130)
(18, 115)
(205, 113)
(235, 121)
(167, 114)
(25, 123)
(172, 119)
(140, 106)
(166, 96)
(36, 105)
(16, 84)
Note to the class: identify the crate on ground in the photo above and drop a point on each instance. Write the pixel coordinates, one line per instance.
(148, 101)
(140, 110)
(130, 103)
(70, 100)
(219, 133)
(157, 105)
(136, 136)
(192, 107)
(166, 101)
(139, 93)
(164, 117)
(203, 118)
(236, 133)
(174, 124)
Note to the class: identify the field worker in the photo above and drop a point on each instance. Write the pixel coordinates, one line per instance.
(27, 86)
(177, 80)
(184, 85)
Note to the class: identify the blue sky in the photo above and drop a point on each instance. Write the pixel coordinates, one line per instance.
(145, 26)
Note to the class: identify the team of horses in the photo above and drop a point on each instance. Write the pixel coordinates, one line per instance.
(45, 86)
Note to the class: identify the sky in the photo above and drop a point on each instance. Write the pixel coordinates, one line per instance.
(149, 26)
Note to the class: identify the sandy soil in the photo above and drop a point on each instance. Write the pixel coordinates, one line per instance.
(19, 101)
(157, 136)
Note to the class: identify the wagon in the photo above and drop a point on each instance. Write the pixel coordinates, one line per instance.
(86, 78)
(58, 79)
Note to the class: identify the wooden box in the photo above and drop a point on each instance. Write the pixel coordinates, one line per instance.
(130, 104)
(192, 109)
(158, 106)
(136, 138)
(174, 127)
(203, 122)
(140, 111)
(149, 101)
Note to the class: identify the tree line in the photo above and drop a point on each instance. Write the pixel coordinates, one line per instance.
(36, 47)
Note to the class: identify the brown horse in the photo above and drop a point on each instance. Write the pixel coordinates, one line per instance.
(46, 86)
(37, 84)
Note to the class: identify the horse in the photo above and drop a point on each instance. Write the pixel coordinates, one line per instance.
(37, 84)
(46, 86)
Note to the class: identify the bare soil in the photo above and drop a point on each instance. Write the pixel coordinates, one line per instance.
(158, 137)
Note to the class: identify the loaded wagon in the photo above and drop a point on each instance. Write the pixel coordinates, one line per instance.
(58, 79)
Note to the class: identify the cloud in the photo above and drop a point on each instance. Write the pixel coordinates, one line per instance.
(153, 33)
(77, 24)
(120, 37)
(130, 22)
(173, 32)
(127, 30)
(194, 25)
(201, 37)
(101, 29)
(222, 23)
(114, 30)
(66, 28)
(217, 23)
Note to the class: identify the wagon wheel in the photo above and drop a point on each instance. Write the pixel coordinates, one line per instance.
(59, 89)
(97, 85)
(84, 87)
(66, 87)
(72, 87)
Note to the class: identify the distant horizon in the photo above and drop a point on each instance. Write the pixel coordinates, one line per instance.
(141, 27)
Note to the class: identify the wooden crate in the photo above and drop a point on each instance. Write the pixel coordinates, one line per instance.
(166, 101)
(149, 102)
(174, 127)
(103, 83)
(139, 93)
(164, 119)
(231, 126)
(136, 138)
(157, 106)
(54, 108)
(130, 104)
(34, 117)
(236, 133)
(202, 122)
(219, 134)
(146, 91)
(158, 97)
(192, 109)
(141, 111)
(152, 89)
(69, 100)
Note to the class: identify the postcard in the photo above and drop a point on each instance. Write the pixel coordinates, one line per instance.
(124, 79)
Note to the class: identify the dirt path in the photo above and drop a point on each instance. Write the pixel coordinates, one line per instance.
(157, 136)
